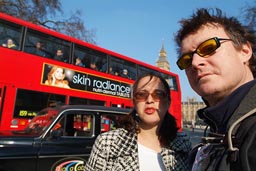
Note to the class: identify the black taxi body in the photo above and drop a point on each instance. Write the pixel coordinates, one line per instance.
(57, 139)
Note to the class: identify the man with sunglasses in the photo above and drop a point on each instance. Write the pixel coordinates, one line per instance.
(216, 53)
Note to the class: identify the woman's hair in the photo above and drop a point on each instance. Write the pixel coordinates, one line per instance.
(168, 129)
(235, 30)
(51, 74)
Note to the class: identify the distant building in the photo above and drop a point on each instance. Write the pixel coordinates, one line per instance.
(189, 109)
(162, 61)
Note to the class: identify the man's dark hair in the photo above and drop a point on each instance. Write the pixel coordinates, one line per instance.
(235, 30)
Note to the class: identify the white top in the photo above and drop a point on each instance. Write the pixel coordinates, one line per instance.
(149, 159)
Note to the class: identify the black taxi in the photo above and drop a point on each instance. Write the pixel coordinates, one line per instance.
(57, 139)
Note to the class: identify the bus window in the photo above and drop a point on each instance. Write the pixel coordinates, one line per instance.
(36, 43)
(60, 49)
(54, 99)
(172, 83)
(142, 70)
(90, 58)
(120, 65)
(115, 64)
(83, 101)
(83, 54)
(10, 31)
(97, 61)
(29, 102)
(131, 69)
(171, 80)
(80, 54)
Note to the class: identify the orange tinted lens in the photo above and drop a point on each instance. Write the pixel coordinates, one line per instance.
(207, 47)
(184, 61)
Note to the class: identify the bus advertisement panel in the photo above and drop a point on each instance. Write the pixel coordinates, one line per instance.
(85, 82)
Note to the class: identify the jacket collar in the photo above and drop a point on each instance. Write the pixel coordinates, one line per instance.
(217, 116)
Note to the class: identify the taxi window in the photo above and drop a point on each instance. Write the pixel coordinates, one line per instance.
(76, 125)
(83, 124)
(109, 122)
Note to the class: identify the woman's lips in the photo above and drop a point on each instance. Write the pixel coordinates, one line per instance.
(149, 110)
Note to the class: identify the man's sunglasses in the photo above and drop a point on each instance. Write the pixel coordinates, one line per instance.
(157, 95)
(205, 48)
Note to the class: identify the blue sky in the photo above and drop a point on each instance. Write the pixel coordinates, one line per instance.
(137, 28)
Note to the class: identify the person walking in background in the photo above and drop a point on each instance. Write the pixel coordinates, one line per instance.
(193, 125)
(216, 53)
(56, 77)
(148, 139)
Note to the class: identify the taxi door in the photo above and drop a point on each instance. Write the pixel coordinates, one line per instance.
(70, 147)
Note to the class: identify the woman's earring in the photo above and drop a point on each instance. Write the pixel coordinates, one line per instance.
(136, 117)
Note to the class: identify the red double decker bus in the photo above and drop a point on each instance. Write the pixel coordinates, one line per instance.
(40, 67)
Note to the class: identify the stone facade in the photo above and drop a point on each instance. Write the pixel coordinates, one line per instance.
(189, 109)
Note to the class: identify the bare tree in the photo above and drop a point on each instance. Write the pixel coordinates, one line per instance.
(48, 13)
(249, 15)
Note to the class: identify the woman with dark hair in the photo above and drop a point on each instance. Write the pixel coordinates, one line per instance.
(148, 138)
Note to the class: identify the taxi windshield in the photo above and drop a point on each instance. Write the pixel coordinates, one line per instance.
(40, 122)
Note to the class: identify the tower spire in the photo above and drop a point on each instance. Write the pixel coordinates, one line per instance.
(162, 61)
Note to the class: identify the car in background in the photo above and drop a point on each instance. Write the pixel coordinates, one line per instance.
(57, 139)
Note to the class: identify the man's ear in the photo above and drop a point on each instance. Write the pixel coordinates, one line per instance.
(246, 52)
